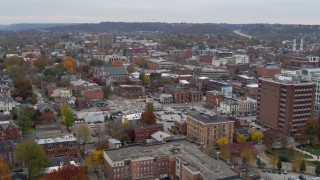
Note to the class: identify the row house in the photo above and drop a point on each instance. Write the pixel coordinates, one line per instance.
(9, 131)
(7, 103)
(47, 113)
(238, 106)
(59, 146)
(213, 99)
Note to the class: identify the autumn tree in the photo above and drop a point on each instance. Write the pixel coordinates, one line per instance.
(5, 172)
(67, 116)
(141, 76)
(84, 133)
(148, 117)
(225, 153)
(256, 135)
(273, 160)
(114, 130)
(67, 172)
(125, 139)
(296, 162)
(117, 64)
(23, 86)
(70, 64)
(95, 159)
(270, 137)
(146, 80)
(33, 155)
(130, 69)
(41, 62)
(222, 141)
(310, 130)
(241, 138)
(248, 156)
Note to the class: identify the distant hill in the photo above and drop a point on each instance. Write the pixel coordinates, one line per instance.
(29, 26)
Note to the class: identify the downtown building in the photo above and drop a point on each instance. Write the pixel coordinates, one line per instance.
(285, 102)
(177, 159)
(105, 40)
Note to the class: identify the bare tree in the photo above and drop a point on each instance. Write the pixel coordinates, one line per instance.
(114, 130)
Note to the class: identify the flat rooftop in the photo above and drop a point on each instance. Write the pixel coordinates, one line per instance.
(188, 152)
(207, 119)
(57, 139)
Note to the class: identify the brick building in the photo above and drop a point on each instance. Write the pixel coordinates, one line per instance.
(205, 129)
(213, 99)
(142, 133)
(9, 131)
(46, 113)
(93, 93)
(181, 126)
(268, 70)
(178, 159)
(60, 146)
(285, 102)
(130, 91)
(183, 94)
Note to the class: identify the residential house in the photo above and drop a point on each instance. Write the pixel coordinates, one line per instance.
(7, 103)
(46, 113)
(9, 131)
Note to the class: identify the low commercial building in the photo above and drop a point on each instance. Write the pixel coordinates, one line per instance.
(130, 91)
(209, 85)
(178, 159)
(205, 129)
(238, 106)
(142, 133)
(166, 98)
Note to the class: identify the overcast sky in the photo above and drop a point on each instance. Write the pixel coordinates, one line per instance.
(194, 11)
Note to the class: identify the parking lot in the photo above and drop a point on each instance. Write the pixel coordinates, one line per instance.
(275, 176)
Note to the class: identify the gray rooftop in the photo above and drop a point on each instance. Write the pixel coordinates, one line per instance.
(115, 70)
(188, 152)
(207, 119)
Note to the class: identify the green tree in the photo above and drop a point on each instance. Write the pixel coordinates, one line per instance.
(310, 129)
(106, 91)
(141, 76)
(33, 155)
(279, 164)
(96, 62)
(146, 80)
(26, 117)
(317, 170)
(149, 107)
(67, 116)
(106, 118)
(241, 138)
(302, 167)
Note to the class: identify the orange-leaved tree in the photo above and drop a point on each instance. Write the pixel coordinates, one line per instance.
(68, 172)
(117, 64)
(69, 64)
(5, 172)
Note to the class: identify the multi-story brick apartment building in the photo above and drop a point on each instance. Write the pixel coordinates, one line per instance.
(213, 99)
(105, 40)
(59, 146)
(285, 102)
(130, 91)
(9, 131)
(205, 129)
(238, 106)
(297, 62)
(178, 159)
(142, 133)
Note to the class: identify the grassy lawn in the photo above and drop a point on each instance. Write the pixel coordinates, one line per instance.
(312, 150)
(286, 152)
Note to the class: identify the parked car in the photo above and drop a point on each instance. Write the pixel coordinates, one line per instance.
(285, 172)
(274, 171)
(264, 170)
(302, 177)
(279, 171)
(269, 170)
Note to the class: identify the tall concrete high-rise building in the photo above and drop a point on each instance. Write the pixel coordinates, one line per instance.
(105, 40)
(294, 44)
(285, 102)
(301, 45)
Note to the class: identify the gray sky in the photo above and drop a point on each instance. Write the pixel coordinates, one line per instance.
(194, 11)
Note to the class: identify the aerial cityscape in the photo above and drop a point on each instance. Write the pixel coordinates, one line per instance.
(168, 90)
